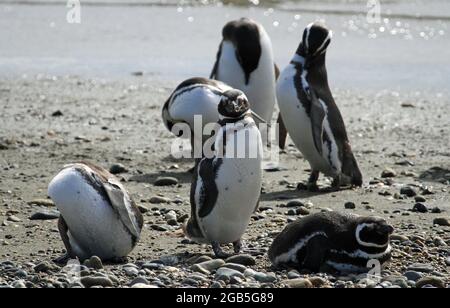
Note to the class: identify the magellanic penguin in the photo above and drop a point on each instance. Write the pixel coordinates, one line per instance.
(331, 241)
(311, 115)
(98, 216)
(226, 188)
(245, 62)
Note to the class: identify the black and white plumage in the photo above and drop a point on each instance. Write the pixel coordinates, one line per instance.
(330, 240)
(311, 115)
(194, 97)
(226, 187)
(98, 216)
(245, 62)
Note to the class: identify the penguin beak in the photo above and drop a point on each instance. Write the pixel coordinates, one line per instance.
(259, 118)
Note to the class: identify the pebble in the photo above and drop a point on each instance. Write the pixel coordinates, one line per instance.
(19, 284)
(159, 200)
(41, 202)
(294, 203)
(130, 271)
(293, 274)
(388, 173)
(303, 211)
(117, 169)
(397, 281)
(42, 267)
(208, 266)
(57, 113)
(242, 259)
(399, 237)
(420, 208)
(14, 218)
(166, 181)
(139, 280)
(238, 267)
(436, 210)
(225, 274)
(420, 199)
(95, 281)
(432, 281)
(171, 215)
(45, 215)
(94, 263)
(413, 275)
(143, 286)
(299, 283)
(447, 261)
(317, 282)
(422, 268)
(441, 221)
(408, 191)
(350, 205)
(263, 277)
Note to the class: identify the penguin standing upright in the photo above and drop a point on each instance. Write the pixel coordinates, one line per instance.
(311, 115)
(331, 240)
(226, 187)
(245, 62)
(98, 216)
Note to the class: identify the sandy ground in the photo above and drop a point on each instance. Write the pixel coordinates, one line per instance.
(119, 122)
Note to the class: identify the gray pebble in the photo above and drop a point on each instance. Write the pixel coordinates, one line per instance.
(238, 267)
(117, 169)
(94, 281)
(45, 215)
(420, 208)
(413, 275)
(441, 221)
(225, 274)
(243, 259)
(166, 181)
(408, 191)
(422, 268)
(350, 205)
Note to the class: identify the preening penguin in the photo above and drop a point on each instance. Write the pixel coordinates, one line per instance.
(330, 240)
(226, 187)
(311, 115)
(245, 62)
(195, 96)
(98, 216)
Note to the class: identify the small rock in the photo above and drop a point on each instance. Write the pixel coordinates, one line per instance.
(412, 275)
(399, 237)
(131, 271)
(139, 280)
(57, 113)
(317, 282)
(142, 208)
(14, 218)
(117, 169)
(45, 215)
(294, 203)
(171, 215)
(212, 264)
(243, 259)
(159, 200)
(41, 202)
(397, 281)
(447, 261)
(441, 221)
(143, 286)
(238, 267)
(431, 280)
(408, 191)
(422, 268)
(299, 283)
(420, 208)
(420, 199)
(94, 262)
(225, 274)
(303, 211)
(350, 205)
(264, 278)
(293, 274)
(95, 281)
(436, 210)
(166, 181)
(388, 173)
(42, 267)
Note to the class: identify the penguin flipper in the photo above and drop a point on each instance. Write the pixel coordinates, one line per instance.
(282, 133)
(215, 69)
(317, 117)
(277, 71)
(315, 253)
(121, 204)
(209, 192)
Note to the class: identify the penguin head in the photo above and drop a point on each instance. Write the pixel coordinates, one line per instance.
(373, 232)
(245, 36)
(233, 104)
(315, 40)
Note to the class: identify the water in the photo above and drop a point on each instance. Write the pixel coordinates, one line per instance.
(407, 51)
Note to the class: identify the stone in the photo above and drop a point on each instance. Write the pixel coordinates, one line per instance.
(441, 221)
(143, 286)
(420, 199)
(117, 169)
(211, 265)
(225, 274)
(238, 267)
(264, 278)
(171, 215)
(13, 218)
(299, 283)
(57, 113)
(41, 202)
(317, 282)
(432, 281)
(159, 200)
(420, 208)
(166, 181)
(94, 263)
(397, 281)
(422, 268)
(139, 280)
(303, 211)
(242, 259)
(45, 215)
(388, 173)
(399, 237)
(294, 203)
(293, 274)
(413, 275)
(350, 205)
(408, 191)
(43, 267)
(96, 281)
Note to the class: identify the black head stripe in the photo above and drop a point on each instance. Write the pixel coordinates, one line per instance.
(316, 39)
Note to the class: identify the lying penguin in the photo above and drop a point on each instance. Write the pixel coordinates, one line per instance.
(311, 115)
(226, 188)
(98, 216)
(332, 241)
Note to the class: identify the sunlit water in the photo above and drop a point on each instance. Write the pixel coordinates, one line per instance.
(406, 50)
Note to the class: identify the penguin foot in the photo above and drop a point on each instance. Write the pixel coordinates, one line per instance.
(336, 184)
(119, 260)
(312, 187)
(218, 252)
(62, 260)
(237, 246)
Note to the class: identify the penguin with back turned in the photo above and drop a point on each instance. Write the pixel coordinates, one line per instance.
(332, 241)
(311, 115)
(226, 188)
